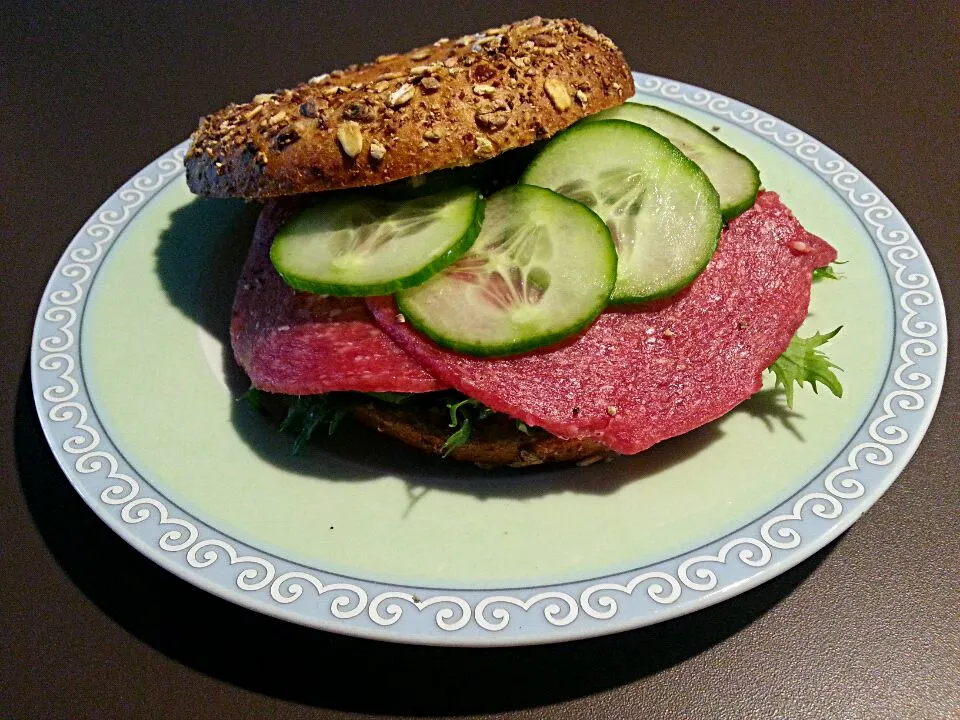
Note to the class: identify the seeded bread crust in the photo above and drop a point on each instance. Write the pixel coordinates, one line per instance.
(494, 442)
(453, 103)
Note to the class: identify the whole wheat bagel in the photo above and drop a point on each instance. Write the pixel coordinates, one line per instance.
(449, 104)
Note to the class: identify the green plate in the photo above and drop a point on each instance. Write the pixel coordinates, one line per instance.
(362, 536)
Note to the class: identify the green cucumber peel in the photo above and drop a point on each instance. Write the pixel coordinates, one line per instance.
(355, 244)
(733, 174)
(541, 270)
(662, 210)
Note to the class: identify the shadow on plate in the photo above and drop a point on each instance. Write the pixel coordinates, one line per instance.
(355, 453)
(347, 455)
(200, 256)
(770, 407)
(198, 261)
(310, 666)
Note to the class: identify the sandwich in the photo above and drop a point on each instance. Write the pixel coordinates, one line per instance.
(479, 248)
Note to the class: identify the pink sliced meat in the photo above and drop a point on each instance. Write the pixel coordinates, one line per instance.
(646, 373)
(302, 344)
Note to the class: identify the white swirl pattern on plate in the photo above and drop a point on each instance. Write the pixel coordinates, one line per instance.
(499, 615)
(446, 617)
(605, 606)
(692, 576)
(343, 607)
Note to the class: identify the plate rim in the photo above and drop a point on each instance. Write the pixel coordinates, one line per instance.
(201, 555)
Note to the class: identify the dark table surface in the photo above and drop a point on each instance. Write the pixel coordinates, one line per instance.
(867, 628)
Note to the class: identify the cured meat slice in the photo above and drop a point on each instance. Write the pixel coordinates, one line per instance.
(646, 373)
(301, 344)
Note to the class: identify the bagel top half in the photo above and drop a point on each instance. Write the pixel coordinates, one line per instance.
(450, 104)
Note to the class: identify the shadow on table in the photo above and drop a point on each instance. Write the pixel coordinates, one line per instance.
(294, 663)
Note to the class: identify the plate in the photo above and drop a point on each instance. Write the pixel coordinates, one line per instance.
(136, 393)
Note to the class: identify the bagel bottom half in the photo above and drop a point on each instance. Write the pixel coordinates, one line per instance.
(495, 441)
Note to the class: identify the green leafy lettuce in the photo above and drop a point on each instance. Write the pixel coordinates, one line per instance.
(464, 414)
(828, 272)
(802, 362)
(253, 398)
(307, 413)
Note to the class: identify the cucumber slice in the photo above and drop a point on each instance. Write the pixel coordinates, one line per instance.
(357, 244)
(662, 211)
(541, 269)
(736, 179)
